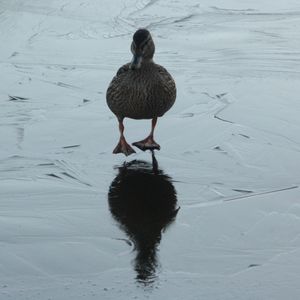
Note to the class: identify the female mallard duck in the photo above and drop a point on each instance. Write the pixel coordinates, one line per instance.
(140, 90)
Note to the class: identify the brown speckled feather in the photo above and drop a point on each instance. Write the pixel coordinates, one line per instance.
(143, 93)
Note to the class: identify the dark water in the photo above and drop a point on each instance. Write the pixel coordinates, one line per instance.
(143, 200)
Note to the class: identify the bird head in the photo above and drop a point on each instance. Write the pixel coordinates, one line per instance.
(142, 48)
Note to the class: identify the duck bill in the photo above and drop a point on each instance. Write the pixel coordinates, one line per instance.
(136, 62)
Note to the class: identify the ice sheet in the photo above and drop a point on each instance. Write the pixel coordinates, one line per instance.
(230, 148)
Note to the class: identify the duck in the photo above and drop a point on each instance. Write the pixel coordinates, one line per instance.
(141, 89)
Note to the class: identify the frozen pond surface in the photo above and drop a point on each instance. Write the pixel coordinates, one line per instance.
(230, 155)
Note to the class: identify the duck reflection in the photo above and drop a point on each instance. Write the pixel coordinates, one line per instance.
(143, 201)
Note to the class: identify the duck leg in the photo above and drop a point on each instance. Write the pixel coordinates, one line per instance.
(148, 143)
(123, 146)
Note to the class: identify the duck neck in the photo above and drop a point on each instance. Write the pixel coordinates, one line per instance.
(147, 60)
